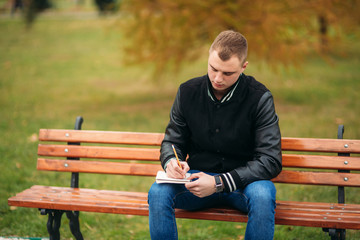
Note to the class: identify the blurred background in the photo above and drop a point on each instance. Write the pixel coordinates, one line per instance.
(118, 64)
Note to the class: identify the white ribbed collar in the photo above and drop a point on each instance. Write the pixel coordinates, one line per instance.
(228, 96)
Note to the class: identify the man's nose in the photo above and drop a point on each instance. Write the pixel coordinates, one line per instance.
(218, 77)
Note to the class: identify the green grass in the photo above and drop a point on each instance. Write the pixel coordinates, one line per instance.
(67, 66)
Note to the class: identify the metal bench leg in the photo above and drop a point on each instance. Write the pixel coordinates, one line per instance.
(53, 223)
(336, 234)
(342, 234)
(74, 224)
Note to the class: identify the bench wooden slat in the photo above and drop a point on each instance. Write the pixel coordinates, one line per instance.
(99, 152)
(321, 215)
(84, 195)
(316, 220)
(98, 167)
(85, 199)
(318, 178)
(289, 160)
(321, 162)
(134, 203)
(317, 206)
(286, 176)
(110, 137)
(320, 145)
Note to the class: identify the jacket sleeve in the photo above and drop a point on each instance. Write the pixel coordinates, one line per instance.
(176, 133)
(267, 162)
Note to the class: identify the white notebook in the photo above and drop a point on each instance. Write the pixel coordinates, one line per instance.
(161, 177)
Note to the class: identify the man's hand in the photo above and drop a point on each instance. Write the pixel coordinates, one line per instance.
(203, 186)
(174, 171)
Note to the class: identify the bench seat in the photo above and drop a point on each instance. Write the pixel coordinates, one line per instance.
(324, 215)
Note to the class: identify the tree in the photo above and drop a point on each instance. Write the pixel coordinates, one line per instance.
(33, 7)
(106, 6)
(284, 31)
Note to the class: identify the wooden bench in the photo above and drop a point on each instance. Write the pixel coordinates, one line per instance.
(305, 161)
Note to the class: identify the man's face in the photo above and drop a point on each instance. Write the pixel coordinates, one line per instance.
(223, 74)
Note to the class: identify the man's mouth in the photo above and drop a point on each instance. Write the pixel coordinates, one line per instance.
(216, 85)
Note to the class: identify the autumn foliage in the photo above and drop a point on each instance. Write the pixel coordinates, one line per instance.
(285, 31)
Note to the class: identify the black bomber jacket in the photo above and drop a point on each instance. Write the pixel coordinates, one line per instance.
(237, 137)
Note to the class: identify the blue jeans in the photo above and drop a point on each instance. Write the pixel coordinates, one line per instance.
(256, 199)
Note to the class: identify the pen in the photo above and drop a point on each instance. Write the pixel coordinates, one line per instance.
(177, 159)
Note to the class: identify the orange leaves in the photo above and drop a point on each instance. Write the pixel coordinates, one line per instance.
(171, 32)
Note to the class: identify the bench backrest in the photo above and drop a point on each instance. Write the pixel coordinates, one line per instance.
(305, 160)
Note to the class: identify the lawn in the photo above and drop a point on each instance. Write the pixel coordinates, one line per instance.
(66, 66)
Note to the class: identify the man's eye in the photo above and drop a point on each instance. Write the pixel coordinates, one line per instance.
(228, 73)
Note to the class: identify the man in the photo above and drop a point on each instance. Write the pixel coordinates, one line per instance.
(226, 123)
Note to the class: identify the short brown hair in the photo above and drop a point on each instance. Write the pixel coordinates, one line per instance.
(229, 43)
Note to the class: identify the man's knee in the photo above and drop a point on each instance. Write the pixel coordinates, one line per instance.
(161, 192)
(156, 192)
(262, 192)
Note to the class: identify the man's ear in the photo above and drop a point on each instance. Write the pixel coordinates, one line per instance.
(245, 65)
